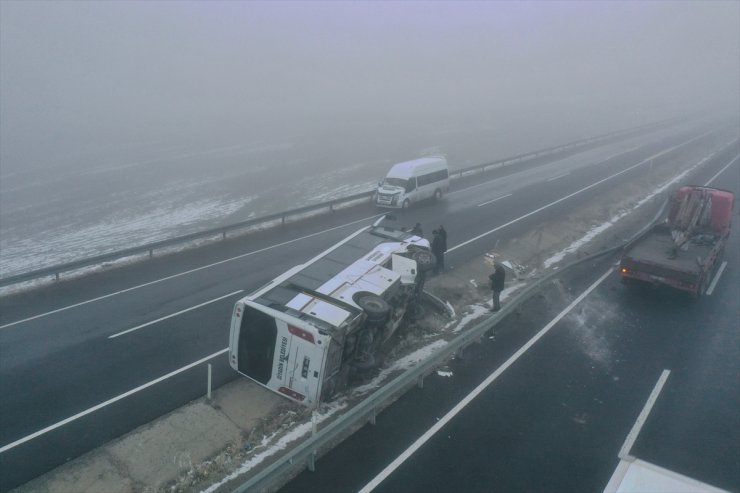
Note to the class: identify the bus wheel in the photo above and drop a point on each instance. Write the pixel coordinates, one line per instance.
(424, 260)
(377, 308)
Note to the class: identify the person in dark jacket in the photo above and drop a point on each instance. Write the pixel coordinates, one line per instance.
(417, 230)
(438, 249)
(443, 235)
(497, 284)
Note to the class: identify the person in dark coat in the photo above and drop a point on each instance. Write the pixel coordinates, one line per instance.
(438, 249)
(443, 235)
(417, 230)
(497, 284)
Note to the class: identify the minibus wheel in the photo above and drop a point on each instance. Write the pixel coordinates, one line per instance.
(424, 260)
(377, 308)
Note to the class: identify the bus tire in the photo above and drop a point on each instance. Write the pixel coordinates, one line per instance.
(376, 308)
(424, 260)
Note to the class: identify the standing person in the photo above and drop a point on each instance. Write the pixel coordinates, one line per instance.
(497, 284)
(438, 249)
(417, 230)
(443, 235)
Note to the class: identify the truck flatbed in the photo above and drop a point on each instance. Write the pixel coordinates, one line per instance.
(656, 248)
(683, 251)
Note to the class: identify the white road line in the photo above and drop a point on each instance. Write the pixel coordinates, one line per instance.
(647, 160)
(332, 229)
(624, 452)
(185, 273)
(25, 439)
(558, 177)
(175, 314)
(722, 170)
(716, 278)
(480, 388)
(494, 200)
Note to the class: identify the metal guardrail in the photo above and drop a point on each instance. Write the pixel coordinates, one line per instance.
(329, 206)
(307, 452)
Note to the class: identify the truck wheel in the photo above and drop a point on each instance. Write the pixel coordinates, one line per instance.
(437, 194)
(424, 260)
(376, 308)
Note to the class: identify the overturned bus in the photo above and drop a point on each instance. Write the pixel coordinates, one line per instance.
(308, 333)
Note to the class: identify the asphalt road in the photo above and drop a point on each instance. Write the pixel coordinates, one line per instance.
(71, 363)
(556, 417)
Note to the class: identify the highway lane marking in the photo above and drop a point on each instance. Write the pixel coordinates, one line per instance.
(480, 388)
(494, 200)
(558, 177)
(624, 452)
(77, 416)
(46, 314)
(191, 365)
(109, 295)
(716, 278)
(722, 170)
(645, 161)
(174, 314)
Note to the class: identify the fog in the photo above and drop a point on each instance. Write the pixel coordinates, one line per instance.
(127, 122)
(104, 76)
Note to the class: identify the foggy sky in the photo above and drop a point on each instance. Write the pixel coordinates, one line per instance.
(79, 75)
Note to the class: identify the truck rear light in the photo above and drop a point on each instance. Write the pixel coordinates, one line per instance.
(292, 393)
(303, 334)
(624, 270)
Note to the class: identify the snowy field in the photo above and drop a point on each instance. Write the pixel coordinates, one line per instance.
(86, 204)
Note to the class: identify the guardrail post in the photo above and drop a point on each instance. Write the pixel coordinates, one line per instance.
(331, 206)
(420, 382)
(373, 414)
(312, 461)
(223, 235)
(56, 276)
(151, 252)
(210, 373)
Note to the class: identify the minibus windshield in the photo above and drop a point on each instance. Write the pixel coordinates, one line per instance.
(395, 182)
(257, 337)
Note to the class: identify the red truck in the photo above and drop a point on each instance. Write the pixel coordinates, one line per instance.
(684, 250)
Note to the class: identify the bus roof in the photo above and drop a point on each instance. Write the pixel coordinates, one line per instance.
(407, 168)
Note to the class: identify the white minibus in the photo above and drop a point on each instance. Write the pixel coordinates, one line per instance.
(414, 181)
